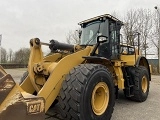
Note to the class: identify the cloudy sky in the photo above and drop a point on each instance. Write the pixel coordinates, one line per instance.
(21, 20)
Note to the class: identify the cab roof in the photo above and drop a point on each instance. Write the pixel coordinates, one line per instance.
(107, 16)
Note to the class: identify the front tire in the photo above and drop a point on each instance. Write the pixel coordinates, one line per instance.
(87, 93)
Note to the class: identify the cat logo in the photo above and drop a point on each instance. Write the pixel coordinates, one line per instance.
(34, 108)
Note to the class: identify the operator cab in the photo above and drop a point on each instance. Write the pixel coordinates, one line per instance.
(105, 25)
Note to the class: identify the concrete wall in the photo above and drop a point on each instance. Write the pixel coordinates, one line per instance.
(9, 66)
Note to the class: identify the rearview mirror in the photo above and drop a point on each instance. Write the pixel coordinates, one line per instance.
(101, 39)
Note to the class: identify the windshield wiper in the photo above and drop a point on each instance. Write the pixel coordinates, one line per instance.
(94, 36)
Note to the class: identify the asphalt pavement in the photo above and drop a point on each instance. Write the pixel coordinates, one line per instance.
(124, 109)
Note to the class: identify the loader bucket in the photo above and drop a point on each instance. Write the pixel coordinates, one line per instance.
(16, 104)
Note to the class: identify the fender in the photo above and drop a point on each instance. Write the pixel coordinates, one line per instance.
(100, 60)
(142, 61)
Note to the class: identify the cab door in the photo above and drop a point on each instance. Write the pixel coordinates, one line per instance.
(111, 48)
(114, 36)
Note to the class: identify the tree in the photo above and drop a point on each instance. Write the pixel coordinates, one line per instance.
(145, 28)
(3, 55)
(10, 56)
(156, 31)
(130, 26)
(73, 37)
(22, 56)
(138, 21)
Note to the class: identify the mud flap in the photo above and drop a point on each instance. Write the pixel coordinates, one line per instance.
(15, 104)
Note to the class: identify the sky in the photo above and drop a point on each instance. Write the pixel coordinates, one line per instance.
(21, 20)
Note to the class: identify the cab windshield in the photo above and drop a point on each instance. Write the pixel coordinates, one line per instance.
(90, 32)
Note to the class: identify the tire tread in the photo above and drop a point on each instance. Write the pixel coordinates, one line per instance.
(72, 89)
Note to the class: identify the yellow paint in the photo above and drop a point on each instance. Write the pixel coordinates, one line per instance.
(27, 86)
(150, 67)
(36, 56)
(51, 88)
(129, 59)
(11, 98)
(119, 76)
(57, 65)
(144, 84)
(100, 98)
(52, 57)
(117, 63)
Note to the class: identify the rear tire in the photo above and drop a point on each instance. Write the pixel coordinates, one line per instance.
(141, 84)
(87, 93)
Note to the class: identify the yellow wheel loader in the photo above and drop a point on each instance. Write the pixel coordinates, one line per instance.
(82, 80)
